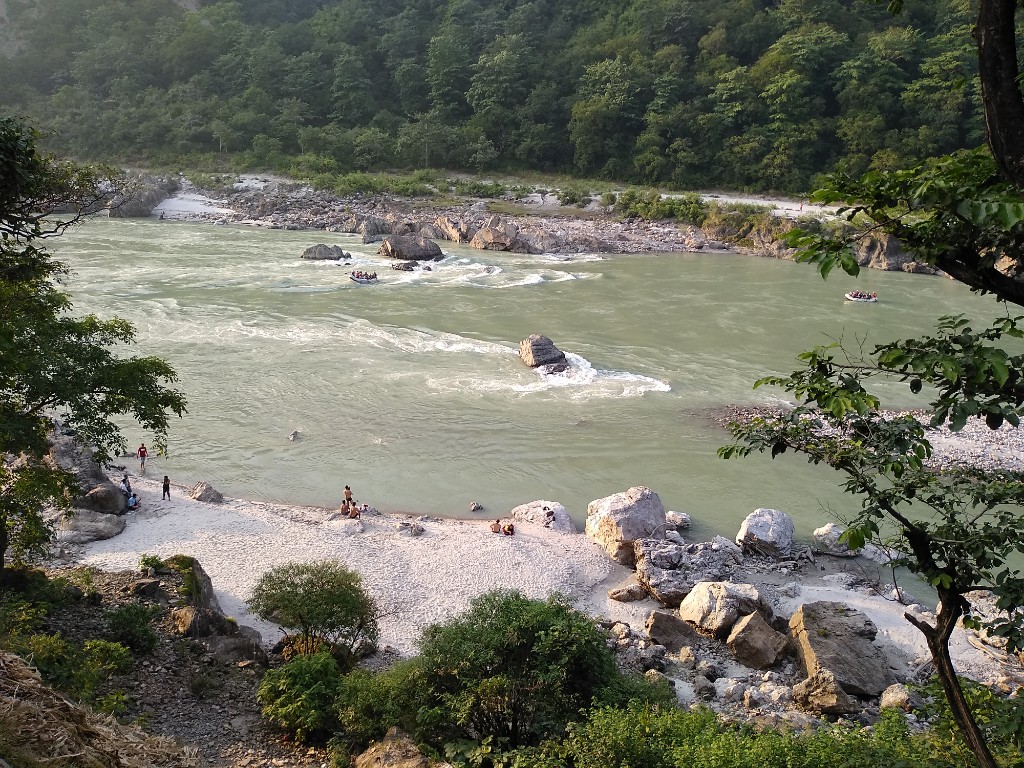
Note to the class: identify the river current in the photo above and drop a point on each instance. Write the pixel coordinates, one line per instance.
(411, 391)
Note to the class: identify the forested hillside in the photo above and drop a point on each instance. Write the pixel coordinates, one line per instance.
(756, 94)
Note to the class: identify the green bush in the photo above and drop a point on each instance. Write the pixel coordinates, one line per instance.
(512, 668)
(74, 670)
(652, 737)
(573, 196)
(476, 188)
(147, 562)
(131, 625)
(689, 208)
(325, 601)
(1001, 719)
(299, 696)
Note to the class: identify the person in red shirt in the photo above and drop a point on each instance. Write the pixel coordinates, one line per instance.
(143, 453)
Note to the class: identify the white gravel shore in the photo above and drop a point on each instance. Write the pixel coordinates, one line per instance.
(421, 580)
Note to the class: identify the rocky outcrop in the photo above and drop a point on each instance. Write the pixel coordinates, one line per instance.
(410, 249)
(754, 643)
(884, 251)
(455, 230)
(766, 532)
(495, 236)
(202, 619)
(321, 252)
(617, 521)
(668, 570)
(821, 694)
(548, 514)
(397, 750)
(85, 526)
(714, 606)
(141, 195)
(205, 492)
(831, 636)
(537, 350)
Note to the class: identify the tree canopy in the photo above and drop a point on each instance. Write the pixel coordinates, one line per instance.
(758, 94)
(959, 528)
(54, 364)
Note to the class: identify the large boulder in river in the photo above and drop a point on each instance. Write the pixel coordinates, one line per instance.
(713, 607)
(834, 637)
(410, 249)
(536, 350)
(617, 521)
(767, 532)
(495, 236)
(321, 252)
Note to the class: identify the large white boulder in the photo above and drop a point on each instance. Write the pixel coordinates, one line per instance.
(616, 521)
(88, 525)
(714, 606)
(767, 532)
(548, 514)
(827, 540)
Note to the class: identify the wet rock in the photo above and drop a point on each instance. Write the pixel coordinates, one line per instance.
(322, 252)
(409, 249)
(537, 350)
(205, 492)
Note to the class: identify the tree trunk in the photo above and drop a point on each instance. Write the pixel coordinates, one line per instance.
(937, 638)
(995, 34)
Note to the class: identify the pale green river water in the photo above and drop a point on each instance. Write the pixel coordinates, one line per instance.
(411, 391)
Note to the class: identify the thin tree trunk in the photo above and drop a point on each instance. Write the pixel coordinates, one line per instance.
(937, 638)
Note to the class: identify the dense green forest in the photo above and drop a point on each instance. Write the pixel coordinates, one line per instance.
(755, 94)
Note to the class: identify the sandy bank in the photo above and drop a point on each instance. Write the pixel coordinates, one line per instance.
(420, 580)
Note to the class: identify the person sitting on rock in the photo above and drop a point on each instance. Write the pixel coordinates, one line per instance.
(496, 526)
(353, 511)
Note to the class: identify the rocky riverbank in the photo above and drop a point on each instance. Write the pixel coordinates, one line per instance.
(532, 223)
(538, 224)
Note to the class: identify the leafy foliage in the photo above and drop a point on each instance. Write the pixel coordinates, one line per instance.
(511, 668)
(53, 363)
(299, 696)
(690, 95)
(324, 600)
(132, 625)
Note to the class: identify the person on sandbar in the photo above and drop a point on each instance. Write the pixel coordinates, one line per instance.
(496, 526)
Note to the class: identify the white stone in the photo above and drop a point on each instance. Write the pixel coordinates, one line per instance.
(767, 532)
(616, 521)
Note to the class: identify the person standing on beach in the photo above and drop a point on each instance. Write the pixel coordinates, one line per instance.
(167, 488)
(348, 496)
(143, 453)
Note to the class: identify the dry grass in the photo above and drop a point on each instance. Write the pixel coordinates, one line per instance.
(40, 727)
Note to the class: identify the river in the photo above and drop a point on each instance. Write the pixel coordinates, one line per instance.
(411, 390)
